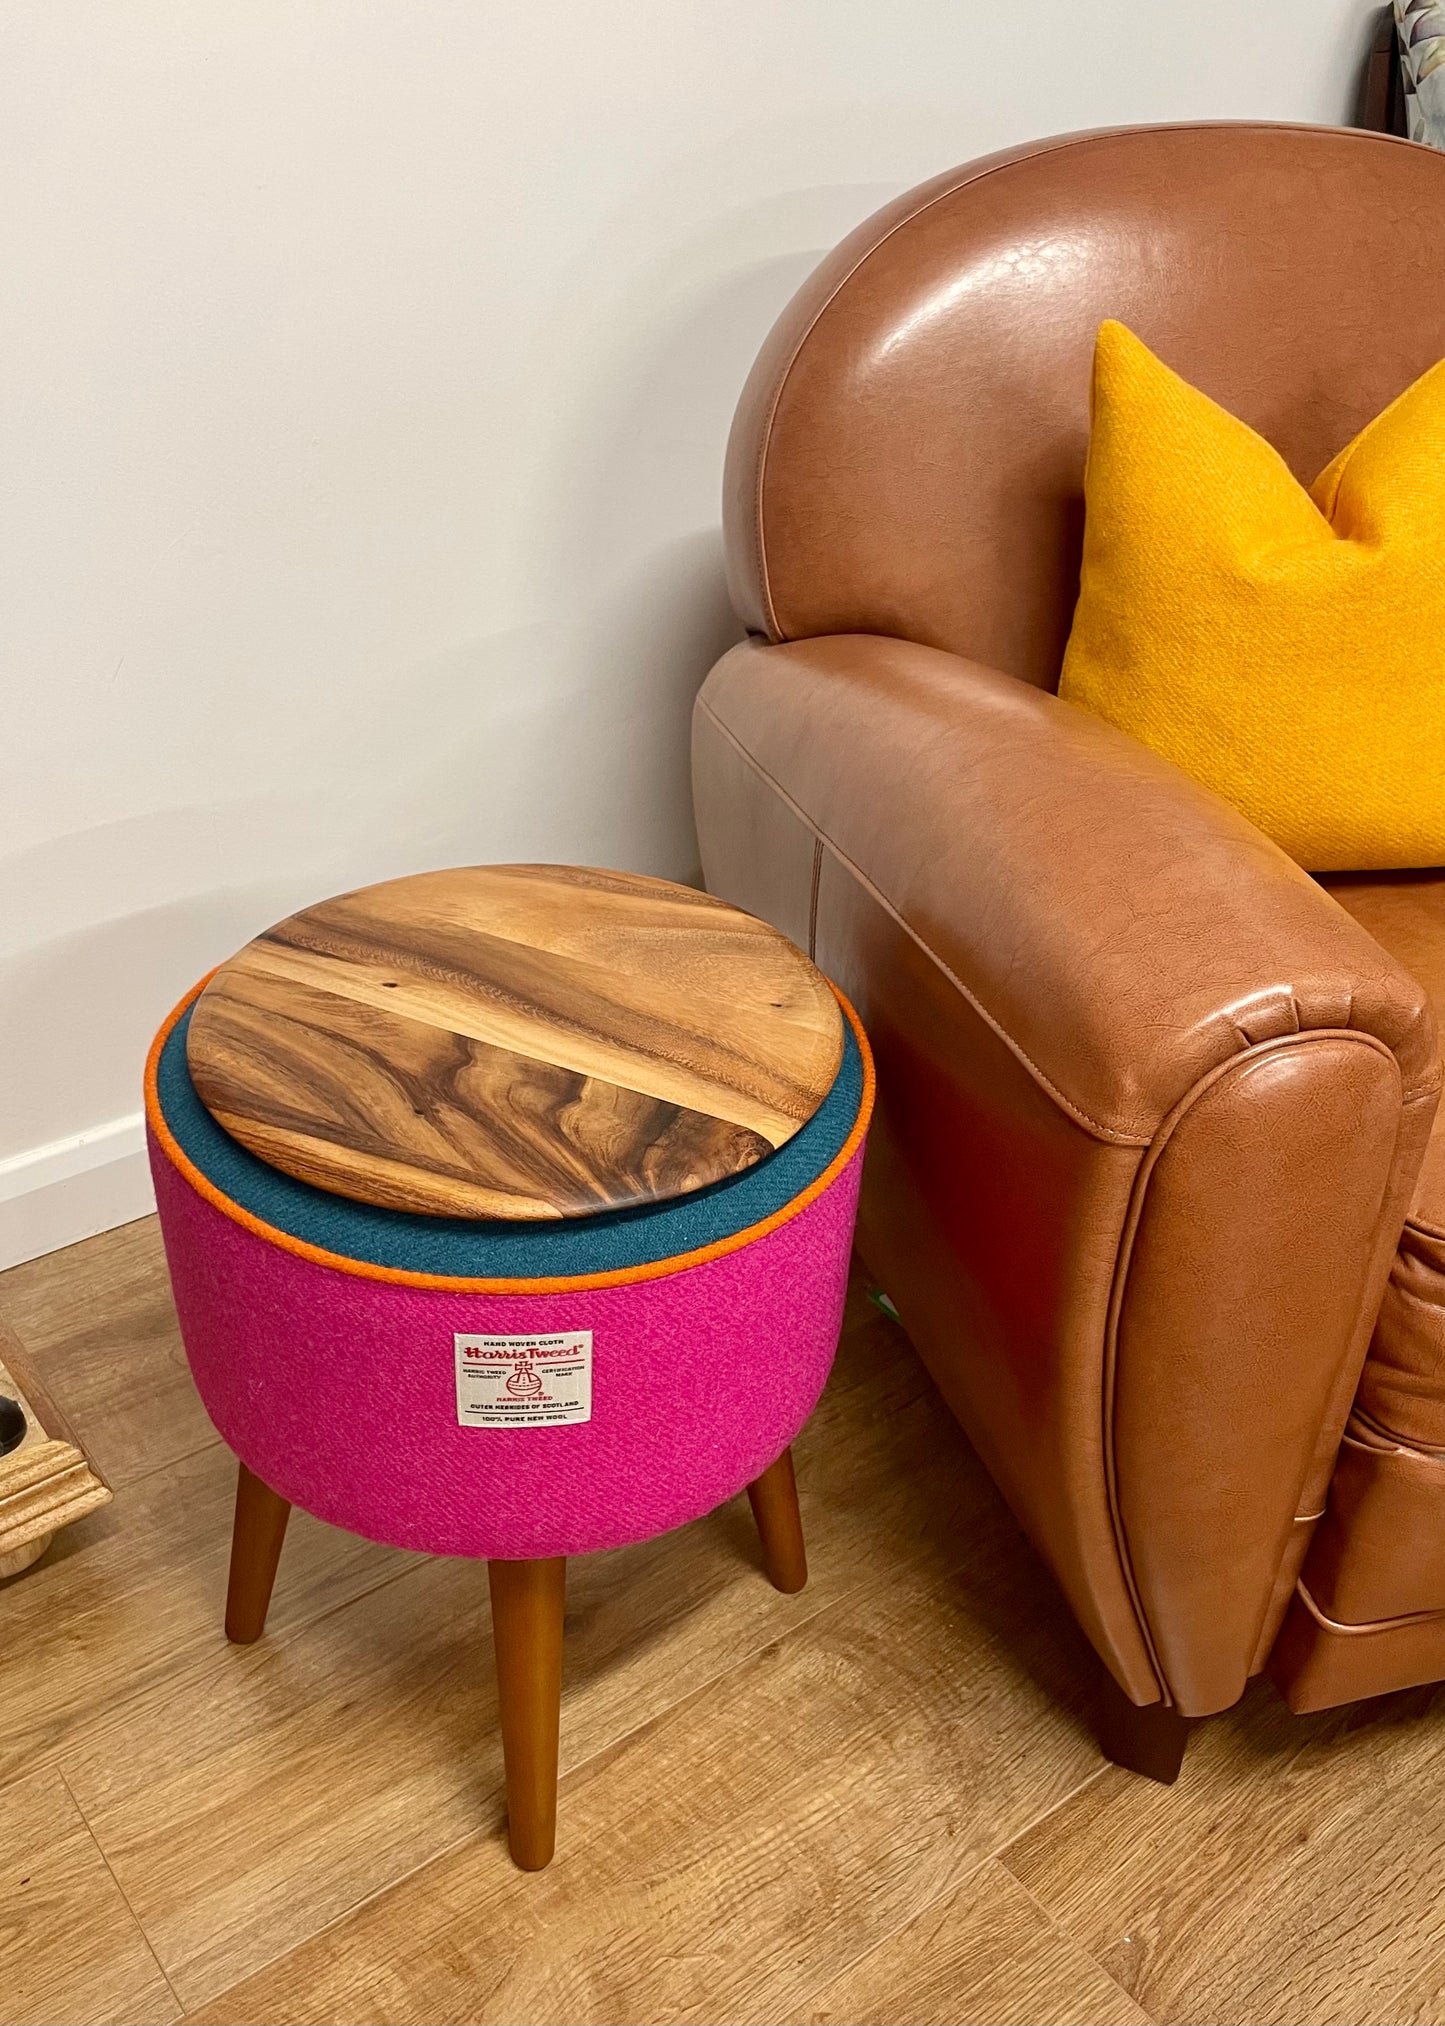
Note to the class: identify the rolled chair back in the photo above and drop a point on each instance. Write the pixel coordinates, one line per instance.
(908, 456)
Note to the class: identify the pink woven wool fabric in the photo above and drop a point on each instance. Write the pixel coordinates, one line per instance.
(339, 1391)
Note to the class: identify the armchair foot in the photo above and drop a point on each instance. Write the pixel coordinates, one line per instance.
(1148, 1740)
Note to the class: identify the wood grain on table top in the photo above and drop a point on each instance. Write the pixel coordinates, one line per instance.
(516, 1041)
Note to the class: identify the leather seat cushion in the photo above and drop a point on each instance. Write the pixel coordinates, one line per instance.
(1402, 1389)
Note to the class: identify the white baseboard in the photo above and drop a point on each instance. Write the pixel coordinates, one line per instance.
(53, 1195)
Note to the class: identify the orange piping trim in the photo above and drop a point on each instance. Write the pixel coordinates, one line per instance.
(398, 1276)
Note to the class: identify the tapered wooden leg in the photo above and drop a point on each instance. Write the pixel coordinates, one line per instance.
(774, 1500)
(261, 1517)
(527, 1602)
(1148, 1740)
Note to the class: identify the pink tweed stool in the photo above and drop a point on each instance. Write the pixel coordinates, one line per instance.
(508, 1213)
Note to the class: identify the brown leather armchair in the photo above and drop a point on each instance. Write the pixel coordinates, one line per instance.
(1153, 1181)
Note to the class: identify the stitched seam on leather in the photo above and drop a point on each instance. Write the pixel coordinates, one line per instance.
(1124, 1262)
(1109, 1368)
(1366, 1625)
(1113, 1134)
(1418, 1223)
(1090, 137)
(1418, 1092)
(1424, 1226)
(1399, 1445)
(1387, 1444)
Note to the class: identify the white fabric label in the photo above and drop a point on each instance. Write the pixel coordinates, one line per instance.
(524, 1382)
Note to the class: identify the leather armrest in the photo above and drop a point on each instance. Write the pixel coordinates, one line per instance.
(1150, 1107)
(1122, 929)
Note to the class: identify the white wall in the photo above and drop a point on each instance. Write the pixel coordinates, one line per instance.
(367, 368)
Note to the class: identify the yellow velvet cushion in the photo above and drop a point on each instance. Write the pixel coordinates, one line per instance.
(1287, 648)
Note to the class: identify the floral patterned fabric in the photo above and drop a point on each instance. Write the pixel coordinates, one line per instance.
(1421, 27)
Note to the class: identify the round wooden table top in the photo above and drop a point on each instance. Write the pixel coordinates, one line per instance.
(515, 1041)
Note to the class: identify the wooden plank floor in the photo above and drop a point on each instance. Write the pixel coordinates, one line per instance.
(876, 1801)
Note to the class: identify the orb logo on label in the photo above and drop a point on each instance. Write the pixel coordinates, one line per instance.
(524, 1382)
